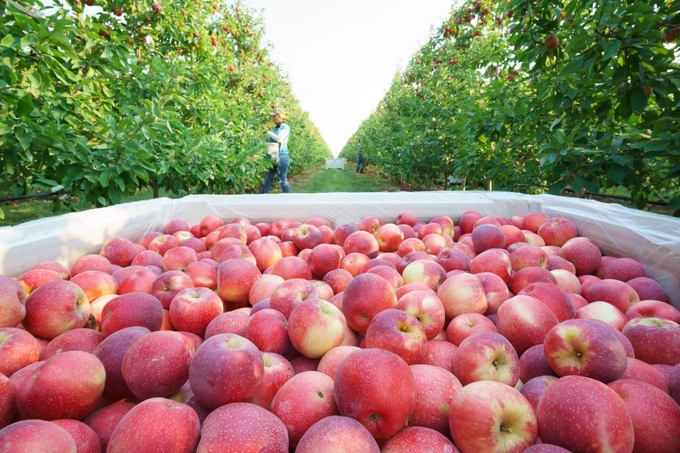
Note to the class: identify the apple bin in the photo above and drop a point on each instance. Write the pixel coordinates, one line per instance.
(547, 359)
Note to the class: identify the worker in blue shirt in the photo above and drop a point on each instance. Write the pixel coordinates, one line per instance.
(279, 135)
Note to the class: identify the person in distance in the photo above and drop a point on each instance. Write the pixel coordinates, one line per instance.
(280, 156)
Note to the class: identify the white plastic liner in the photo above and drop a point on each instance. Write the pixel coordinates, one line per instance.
(653, 239)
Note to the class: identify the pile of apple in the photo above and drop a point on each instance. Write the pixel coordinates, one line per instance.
(486, 335)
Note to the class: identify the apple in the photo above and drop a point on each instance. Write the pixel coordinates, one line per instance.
(389, 236)
(462, 293)
(179, 258)
(674, 382)
(85, 438)
(235, 277)
(365, 385)
(466, 324)
(36, 435)
(528, 255)
(111, 352)
(290, 293)
(303, 400)
(435, 388)
(411, 439)
(354, 263)
(486, 356)
(604, 311)
(235, 250)
(56, 266)
(528, 275)
(534, 388)
(233, 230)
(80, 339)
(439, 352)
(290, 267)
(557, 231)
(18, 349)
(315, 326)
(467, 220)
(567, 280)
(553, 296)
(487, 236)
(8, 401)
(363, 242)
(524, 321)
(330, 361)
(119, 251)
(208, 224)
(624, 269)
(91, 262)
(434, 243)
(643, 371)
(104, 420)
(307, 236)
(585, 347)
(325, 258)
(145, 258)
(192, 309)
(406, 218)
(653, 309)
(202, 275)
(266, 252)
(277, 370)
(583, 253)
(54, 308)
(616, 292)
(495, 260)
(342, 231)
(338, 279)
(235, 321)
(12, 300)
(268, 330)
(67, 385)
(399, 332)
(450, 258)
(136, 279)
(654, 340)
(226, 368)
(34, 278)
(490, 416)
(426, 307)
(364, 297)
(132, 309)
(174, 225)
(532, 363)
(156, 424)
(649, 289)
(428, 272)
(409, 245)
(551, 43)
(533, 238)
(339, 434)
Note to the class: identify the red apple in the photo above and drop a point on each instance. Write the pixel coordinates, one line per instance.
(315, 326)
(533, 363)
(361, 242)
(653, 309)
(328, 364)
(341, 232)
(426, 307)
(462, 293)
(354, 263)
(524, 321)
(529, 275)
(492, 417)
(649, 289)
(466, 324)
(528, 255)
(557, 231)
(136, 279)
(179, 258)
(235, 321)
(192, 309)
(389, 236)
(338, 279)
(235, 277)
(290, 267)
(36, 436)
(553, 296)
(104, 420)
(428, 272)
(91, 262)
(439, 352)
(624, 269)
(604, 311)
(535, 387)
(486, 356)
(411, 439)
(325, 258)
(654, 340)
(583, 253)
(12, 300)
(495, 260)
(364, 297)
(54, 308)
(18, 349)
(290, 293)
(435, 388)
(583, 414)
(157, 424)
(399, 332)
(85, 438)
(111, 352)
(487, 236)
(266, 252)
(132, 309)
(338, 434)
(81, 339)
(616, 292)
(643, 371)
(268, 330)
(365, 386)
(277, 371)
(406, 218)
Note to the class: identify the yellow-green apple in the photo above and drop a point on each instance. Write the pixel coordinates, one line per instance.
(67, 385)
(290, 293)
(524, 321)
(202, 275)
(486, 356)
(178, 258)
(338, 434)
(277, 370)
(435, 388)
(80, 339)
(653, 309)
(534, 388)
(95, 283)
(462, 293)
(226, 368)
(364, 297)
(533, 220)
(338, 279)
(161, 244)
(132, 309)
(466, 324)
(266, 252)
(104, 420)
(487, 236)
(18, 348)
(585, 347)
(411, 439)
(156, 424)
(528, 255)
(290, 267)
(439, 353)
(328, 364)
(91, 262)
(118, 250)
(655, 416)
(192, 309)
(246, 426)
(36, 435)
(234, 321)
(315, 326)
(157, 364)
(649, 289)
(583, 253)
(496, 290)
(365, 386)
(426, 271)
(54, 308)
(35, 278)
(553, 296)
(583, 414)
(361, 241)
(85, 438)
(492, 417)
(426, 307)
(643, 371)
(496, 260)
(111, 352)
(528, 275)
(399, 332)
(533, 363)
(557, 231)
(654, 340)
(268, 330)
(604, 311)
(389, 236)
(450, 258)
(619, 294)
(324, 258)
(302, 401)
(136, 279)
(409, 245)
(8, 401)
(12, 300)
(342, 231)
(235, 277)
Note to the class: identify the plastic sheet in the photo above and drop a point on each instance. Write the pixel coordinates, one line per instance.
(651, 238)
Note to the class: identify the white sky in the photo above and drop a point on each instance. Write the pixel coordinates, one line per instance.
(341, 56)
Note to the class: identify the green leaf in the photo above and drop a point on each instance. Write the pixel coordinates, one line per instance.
(25, 106)
(25, 137)
(611, 48)
(105, 177)
(638, 99)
